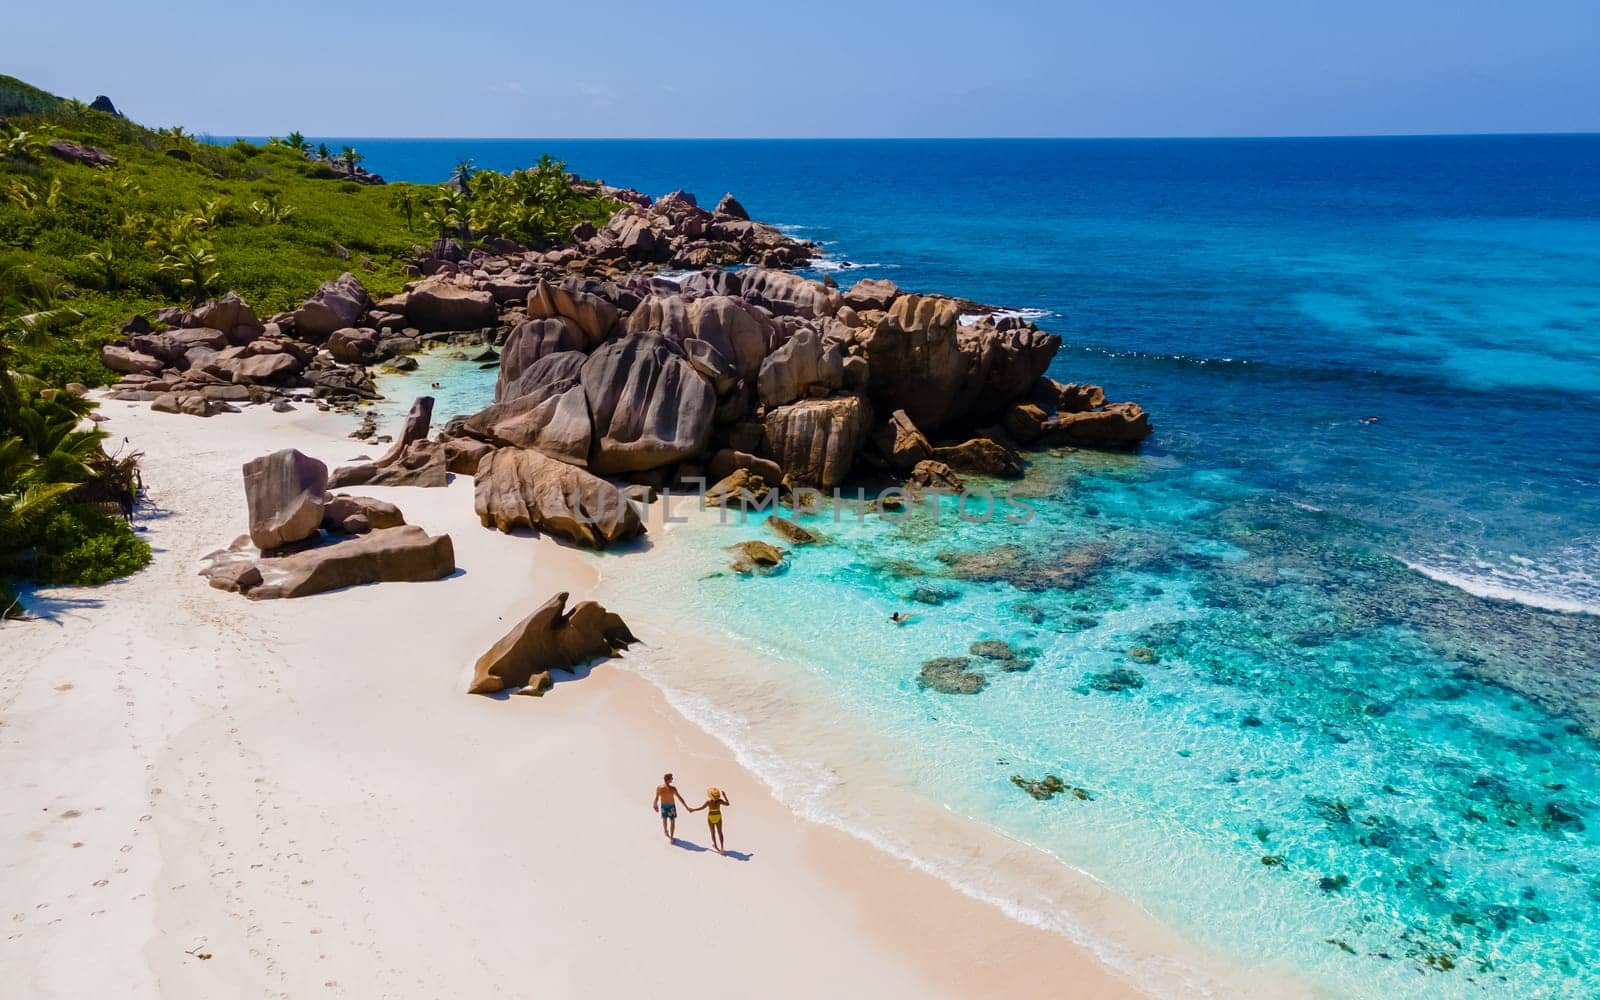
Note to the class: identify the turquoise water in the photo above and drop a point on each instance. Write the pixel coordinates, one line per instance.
(1356, 733)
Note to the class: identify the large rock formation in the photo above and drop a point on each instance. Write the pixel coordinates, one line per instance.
(285, 493)
(648, 405)
(815, 441)
(521, 488)
(590, 315)
(529, 343)
(808, 365)
(440, 303)
(551, 638)
(338, 303)
(400, 554)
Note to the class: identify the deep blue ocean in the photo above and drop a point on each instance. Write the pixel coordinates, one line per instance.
(1326, 653)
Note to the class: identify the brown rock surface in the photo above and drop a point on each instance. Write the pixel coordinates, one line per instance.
(285, 493)
(551, 638)
(521, 488)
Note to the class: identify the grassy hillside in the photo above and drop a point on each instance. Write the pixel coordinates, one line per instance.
(178, 220)
(174, 220)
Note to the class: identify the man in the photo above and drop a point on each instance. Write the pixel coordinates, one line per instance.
(666, 803)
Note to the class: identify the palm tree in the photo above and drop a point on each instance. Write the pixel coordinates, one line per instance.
(404, 199)
(462, 175)
(194, 264)
(296, 142)
(351, 156)
(323, 152)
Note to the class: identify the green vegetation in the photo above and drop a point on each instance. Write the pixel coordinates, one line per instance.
(178, 220)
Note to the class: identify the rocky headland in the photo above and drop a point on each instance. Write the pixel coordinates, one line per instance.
(670, 348)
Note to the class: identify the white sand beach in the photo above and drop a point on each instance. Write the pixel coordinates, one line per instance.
(204, 796)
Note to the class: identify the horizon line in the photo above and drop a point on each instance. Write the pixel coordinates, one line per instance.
(928, 138)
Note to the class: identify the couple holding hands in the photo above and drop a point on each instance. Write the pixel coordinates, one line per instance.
(666, 803)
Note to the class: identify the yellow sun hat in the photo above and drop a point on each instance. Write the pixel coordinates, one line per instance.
(713, 793)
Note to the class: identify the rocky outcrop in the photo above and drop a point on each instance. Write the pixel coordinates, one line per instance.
(73, 152)
(647, 404)
(400, 554)
(284, 493)
(439, 303)
(521, 488)
(815, 441)
(1082, 417)
(552, 418)
(230, 314)
(337, 304)
(529, 343)
(551, 638)
(871, 293)
(933, 475)
(742, 333)
(741, 488)
(914, 362)
(128, 361)
(590, 315)
(806, 366)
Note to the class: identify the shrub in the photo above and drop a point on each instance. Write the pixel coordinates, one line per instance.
(82, 546)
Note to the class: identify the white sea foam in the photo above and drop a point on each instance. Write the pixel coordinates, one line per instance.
(828, 264)
(1526, 587)
(1031, 315)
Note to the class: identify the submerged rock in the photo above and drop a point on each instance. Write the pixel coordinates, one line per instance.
(1116, 679)
(934, 594)
(951, 675)
(1046, 788)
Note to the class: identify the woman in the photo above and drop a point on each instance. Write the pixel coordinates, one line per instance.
(714, 802)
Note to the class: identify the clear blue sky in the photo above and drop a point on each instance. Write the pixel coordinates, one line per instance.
(887, 68)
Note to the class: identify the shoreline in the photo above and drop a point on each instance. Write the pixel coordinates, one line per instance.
(232, 799)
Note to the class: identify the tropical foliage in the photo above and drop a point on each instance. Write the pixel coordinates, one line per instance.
(179, 218)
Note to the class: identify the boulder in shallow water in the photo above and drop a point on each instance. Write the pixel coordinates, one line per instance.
(1046, 788)
(1120, 425)
(754, 555)
(931, 475)
(551, 638)
(981, 456)
(789, 531)
(284, 493)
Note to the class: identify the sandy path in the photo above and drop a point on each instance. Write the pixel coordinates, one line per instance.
(301, 790)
